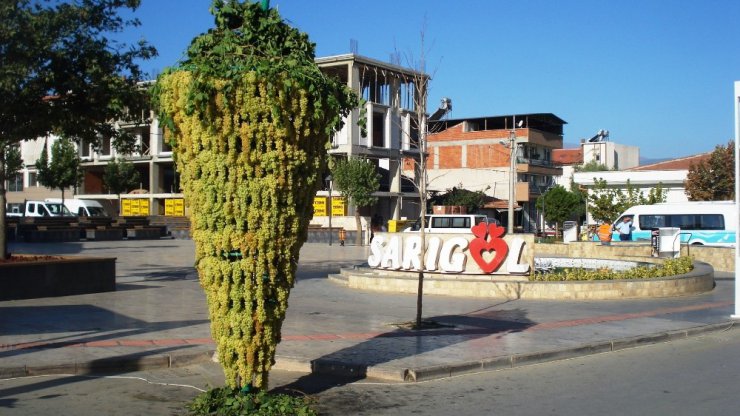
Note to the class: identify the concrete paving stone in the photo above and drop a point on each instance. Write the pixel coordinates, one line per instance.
(158, 317)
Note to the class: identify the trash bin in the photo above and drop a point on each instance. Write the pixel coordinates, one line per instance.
(396, 226)
(669, 242)
(570, 231)
(654, 248)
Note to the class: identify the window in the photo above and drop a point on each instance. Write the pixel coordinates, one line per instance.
(683, 221)
(711, 222)
(441, 222)
(15, 184)
(461, 222)
(33, 179)
(105, 147)
(166, 147)
(698, 221)
(85, 148)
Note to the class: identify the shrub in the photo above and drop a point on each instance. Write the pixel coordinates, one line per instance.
(226, 401)
(670, 267)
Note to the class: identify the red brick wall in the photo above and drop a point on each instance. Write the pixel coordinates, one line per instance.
(450, 157)
(487, 156)
(457, 133)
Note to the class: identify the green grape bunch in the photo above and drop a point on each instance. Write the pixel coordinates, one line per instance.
(250, 116)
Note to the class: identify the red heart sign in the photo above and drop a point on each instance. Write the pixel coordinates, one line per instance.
(496, 244)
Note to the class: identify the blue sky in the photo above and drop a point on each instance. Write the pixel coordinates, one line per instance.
(657, 74)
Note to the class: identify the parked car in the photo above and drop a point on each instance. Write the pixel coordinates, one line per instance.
(45, 209)
(448, 223)
(81, 207)
(13, 210)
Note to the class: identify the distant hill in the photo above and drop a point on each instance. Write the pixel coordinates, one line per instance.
(651, 160)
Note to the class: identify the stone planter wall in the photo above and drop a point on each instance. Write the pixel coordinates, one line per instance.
(721, 258)
(62, 277)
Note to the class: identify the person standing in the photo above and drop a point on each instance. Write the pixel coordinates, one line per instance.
(624, 228)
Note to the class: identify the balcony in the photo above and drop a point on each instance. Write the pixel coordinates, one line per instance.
(534, 162)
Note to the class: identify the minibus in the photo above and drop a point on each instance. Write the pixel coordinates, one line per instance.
(710, 223)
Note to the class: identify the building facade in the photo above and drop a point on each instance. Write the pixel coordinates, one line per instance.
(472, 153)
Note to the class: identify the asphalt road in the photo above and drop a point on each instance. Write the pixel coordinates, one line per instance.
(687, 377)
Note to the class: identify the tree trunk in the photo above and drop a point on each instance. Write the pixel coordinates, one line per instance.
(3, 223)
(358, 223)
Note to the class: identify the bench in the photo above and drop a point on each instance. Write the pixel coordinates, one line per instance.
(48, 229)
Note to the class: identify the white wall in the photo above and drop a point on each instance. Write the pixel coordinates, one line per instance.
(672, 182)
(613, 155)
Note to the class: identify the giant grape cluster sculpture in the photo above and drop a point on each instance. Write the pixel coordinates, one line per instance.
(250, 116)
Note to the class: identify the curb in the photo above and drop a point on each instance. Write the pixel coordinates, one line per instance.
(513, 360)
(354, 370)
(110, 365)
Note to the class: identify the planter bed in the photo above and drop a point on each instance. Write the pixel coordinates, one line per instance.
(46, 276)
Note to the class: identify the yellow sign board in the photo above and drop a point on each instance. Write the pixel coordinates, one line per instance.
(174, 207)
(319, 206)
(134, 207)
(338, 207)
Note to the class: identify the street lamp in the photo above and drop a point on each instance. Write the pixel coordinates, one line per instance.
(512, 174)
(328, 181)
(544, 212)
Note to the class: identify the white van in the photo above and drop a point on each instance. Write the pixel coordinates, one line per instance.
(711, 223)
(82, 207)
(449, 223)
(13, 210)
(45, 209)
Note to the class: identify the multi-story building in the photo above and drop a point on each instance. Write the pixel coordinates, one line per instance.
(389, 95)
(472, 153)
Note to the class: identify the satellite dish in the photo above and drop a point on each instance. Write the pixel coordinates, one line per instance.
(520, 123)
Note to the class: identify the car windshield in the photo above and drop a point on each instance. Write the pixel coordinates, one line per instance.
(96, 211)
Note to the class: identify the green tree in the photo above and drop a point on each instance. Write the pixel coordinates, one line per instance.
(60, 74)
(558, 205)
(713, 179)
(250, 116)
(119, 176)
(11, 154)
(592, 166)
(356, 179)
(63, 170)
(580, 211)
(471, 200)
(606, 204)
